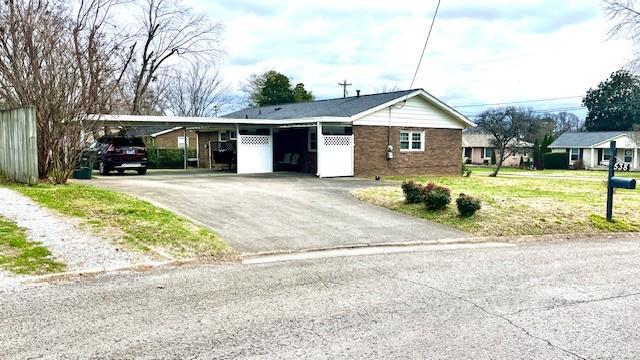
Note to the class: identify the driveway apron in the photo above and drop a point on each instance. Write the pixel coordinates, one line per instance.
(275, 213)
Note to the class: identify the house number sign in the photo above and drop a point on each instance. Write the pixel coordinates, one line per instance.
(622, 167)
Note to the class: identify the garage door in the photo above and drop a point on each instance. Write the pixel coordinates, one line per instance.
(336, 157)
(255, 154)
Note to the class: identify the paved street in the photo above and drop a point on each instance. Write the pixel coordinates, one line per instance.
(568, 300)
(278, 212)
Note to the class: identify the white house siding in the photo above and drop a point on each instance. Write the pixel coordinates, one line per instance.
(416, 112)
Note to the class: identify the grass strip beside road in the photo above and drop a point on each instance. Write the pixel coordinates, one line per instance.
(19, 255)
(520, 205)
(135, 223)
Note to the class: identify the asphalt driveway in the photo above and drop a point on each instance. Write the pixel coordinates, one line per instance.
(278, 212)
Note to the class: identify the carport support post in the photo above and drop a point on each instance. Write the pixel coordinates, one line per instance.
(612, 163)
(318, 148)
(186, 147)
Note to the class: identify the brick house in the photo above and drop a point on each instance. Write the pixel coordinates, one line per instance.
(477, 149)
(174, 138)
(396, 133)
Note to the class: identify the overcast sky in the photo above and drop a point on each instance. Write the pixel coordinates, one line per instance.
(488, 51)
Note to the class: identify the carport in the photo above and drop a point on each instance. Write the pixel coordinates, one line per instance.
(265, 146)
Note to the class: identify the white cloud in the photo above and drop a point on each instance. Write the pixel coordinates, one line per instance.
(493, 51)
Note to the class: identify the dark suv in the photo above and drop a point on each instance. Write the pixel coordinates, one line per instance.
(120, 153)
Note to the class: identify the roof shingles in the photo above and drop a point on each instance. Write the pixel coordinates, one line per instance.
(584, 139)
(341, 107)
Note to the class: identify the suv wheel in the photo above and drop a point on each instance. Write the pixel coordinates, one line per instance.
(142, 171)
(102, 169)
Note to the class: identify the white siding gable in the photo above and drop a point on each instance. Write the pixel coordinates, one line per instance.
(416, 112)
(622, 142)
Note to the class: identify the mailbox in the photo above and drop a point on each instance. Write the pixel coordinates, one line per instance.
(622, 183)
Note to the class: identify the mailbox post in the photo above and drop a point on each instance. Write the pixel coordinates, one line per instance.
(615, 182)
(613, 151)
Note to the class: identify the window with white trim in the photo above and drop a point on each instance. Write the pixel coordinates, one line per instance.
(488, 152)
(575, 154)
(312, 141)
(606, 154)
(411, 140)
(226, 135)
(181, 142)
(628, 156)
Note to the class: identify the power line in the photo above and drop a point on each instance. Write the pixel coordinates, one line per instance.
(424, 49)
(577, 107)
(518, 102)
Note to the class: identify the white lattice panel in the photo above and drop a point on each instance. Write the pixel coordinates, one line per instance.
(338, 140)
(255, 154)
(255, 140)
(336, 156)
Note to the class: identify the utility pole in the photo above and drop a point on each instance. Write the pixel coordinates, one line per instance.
(344, 85)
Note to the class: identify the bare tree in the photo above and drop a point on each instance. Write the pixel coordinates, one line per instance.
(200, 91)
(626, 14)
(566, 122)
(169, 30)
(507, 126)
(60, 62)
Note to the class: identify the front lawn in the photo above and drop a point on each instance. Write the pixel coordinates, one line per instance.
(22, 256)
(520, 205)
(135, 223)
(511, 171)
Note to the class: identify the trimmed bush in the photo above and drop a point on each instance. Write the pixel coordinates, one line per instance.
(167, 158)
(436, 197)
(559, 161)
(413, 192)
(467, 205)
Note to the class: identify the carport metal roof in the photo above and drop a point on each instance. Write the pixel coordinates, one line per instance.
(180, 121)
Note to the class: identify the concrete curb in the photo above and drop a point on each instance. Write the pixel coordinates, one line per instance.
(514, 240)
(519, 239)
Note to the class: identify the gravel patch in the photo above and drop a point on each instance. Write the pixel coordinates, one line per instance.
(67, 241)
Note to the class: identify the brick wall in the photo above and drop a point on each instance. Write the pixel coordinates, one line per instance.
(203, 152)
(170, 140)
(441, 155)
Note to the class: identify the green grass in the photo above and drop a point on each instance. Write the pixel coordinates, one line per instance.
(21, 256)
(134, 223)
(510, 171)
(521, 205)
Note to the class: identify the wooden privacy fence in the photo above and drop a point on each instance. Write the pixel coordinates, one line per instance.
(18, 145)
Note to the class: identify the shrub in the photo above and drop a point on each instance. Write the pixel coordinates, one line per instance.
(464, 170)
(493, 157)
(436, 197)
(467, 205)
(556, 160)
(167, 158)
(413, 192)
(578, 164)
(468, 161)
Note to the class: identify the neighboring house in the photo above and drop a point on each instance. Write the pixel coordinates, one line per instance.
(478, 149)
(396, 133)
(593, 148)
